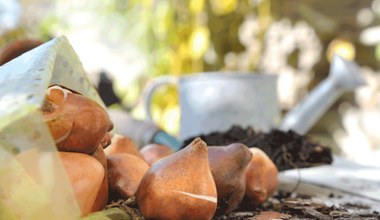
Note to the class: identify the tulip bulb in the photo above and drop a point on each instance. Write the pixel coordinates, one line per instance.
(77, 123)
(86, 175)
(125, 172)
(102, 197)
(228, 166)
(179, 186)
(122, 144)
(153, 152)
(261, 177)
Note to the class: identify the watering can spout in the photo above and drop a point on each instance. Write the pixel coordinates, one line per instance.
(344, 76)
(346, 73)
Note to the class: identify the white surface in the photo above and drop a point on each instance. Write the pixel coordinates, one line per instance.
(343, 175)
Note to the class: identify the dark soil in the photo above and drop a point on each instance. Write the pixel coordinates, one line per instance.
(288, 150)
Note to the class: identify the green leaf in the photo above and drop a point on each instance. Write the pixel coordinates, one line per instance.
(108, 214)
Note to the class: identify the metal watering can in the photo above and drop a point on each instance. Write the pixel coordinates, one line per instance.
(215, 101)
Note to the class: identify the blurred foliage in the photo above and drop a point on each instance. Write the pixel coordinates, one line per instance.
(185, 37)
(182, 37)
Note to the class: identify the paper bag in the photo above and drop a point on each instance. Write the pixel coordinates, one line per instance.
(33, 183)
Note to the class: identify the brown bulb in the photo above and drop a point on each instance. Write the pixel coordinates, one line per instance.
(261, 177)
(106, 141)
(17, 48)
(179, 186)
(122, 144)
(228, 166)
(154, 152)
(77, 123)
(86, 175)
(125, 172)
(102, 197)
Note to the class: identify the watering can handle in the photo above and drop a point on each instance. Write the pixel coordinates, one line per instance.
(151, 88)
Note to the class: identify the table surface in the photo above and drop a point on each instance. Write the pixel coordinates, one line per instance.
(346, 180)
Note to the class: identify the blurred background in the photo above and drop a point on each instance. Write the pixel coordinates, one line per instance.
(131, 42)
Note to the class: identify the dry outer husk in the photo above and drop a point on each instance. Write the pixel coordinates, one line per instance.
(33, 183)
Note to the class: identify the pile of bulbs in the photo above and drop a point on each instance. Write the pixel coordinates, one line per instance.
(196, 182)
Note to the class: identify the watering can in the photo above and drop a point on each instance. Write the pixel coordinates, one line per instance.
(215, 101)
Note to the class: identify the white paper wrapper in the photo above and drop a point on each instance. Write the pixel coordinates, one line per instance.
(33, 184)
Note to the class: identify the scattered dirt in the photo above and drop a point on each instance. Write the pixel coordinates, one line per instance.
(298, 206)
(283, 205)
(288, 150)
